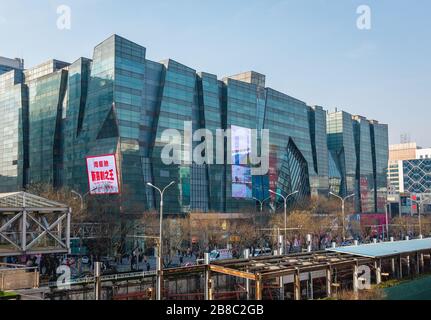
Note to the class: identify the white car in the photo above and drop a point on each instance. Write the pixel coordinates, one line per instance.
(262, 252)
(221, 254)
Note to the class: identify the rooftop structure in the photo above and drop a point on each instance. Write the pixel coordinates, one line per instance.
(30, 224)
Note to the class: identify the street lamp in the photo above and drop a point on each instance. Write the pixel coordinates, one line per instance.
(419, 203)
(261, 202)
(159, 259)
(81, 197)
(285, 214)
(343, 200)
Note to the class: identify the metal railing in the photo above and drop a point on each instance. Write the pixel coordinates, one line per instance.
(105, 278)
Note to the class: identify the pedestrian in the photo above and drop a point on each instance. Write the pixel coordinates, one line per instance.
(148, 266)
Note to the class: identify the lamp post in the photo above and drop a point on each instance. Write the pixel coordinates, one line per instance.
(285, 214)
(81, 197)
(261, 202)
(419, 203)
(343, 200)
(159, 258)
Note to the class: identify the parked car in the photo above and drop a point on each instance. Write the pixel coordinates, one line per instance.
(262, 252)
(221, 254)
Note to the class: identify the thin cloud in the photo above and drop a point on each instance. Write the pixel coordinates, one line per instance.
(3, 20)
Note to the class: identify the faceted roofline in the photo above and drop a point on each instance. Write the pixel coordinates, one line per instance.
(250, 73)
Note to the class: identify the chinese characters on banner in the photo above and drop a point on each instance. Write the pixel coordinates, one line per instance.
(102, 175)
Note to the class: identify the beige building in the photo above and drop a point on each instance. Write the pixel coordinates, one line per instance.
(402, 151)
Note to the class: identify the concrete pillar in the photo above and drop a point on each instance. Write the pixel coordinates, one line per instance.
(355, 278)
(378, 268)
(297, 285)
(247, 281)
(374, 240)
(334, 244)
(355, 242)
(328, 281)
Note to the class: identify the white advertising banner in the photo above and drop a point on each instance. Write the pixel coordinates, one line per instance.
(102, 175)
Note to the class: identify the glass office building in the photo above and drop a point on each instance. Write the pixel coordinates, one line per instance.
(121, 103)
(341, 143)
(379, 139)
(359, 150)
(7, 64)
(13, 131)
(365, 189)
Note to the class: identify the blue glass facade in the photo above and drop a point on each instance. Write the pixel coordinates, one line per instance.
(120, 102)
(13, 130)
(320, 181)
(7, 65)
(365, 189)
(341, 143)
(359, 151)
(379, 140)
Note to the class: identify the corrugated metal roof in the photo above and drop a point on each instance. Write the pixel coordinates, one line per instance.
(385, 249)
(26, 200)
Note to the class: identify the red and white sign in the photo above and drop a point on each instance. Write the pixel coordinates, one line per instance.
(102, 174)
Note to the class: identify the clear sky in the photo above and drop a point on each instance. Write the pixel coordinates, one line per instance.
(310, 49)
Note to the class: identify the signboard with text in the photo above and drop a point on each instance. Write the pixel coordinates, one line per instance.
(102, 175)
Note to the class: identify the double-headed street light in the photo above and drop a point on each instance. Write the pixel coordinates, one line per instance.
(285, 214)
(419, 203)
(343, 200)
(159, 258)
(81, 197)
(261, 202)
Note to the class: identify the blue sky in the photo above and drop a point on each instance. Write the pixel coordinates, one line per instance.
(310, 49)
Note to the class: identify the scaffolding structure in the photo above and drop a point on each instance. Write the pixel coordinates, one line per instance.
(331, 269)
(31, 225)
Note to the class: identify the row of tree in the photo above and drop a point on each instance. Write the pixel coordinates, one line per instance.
(321, 217)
